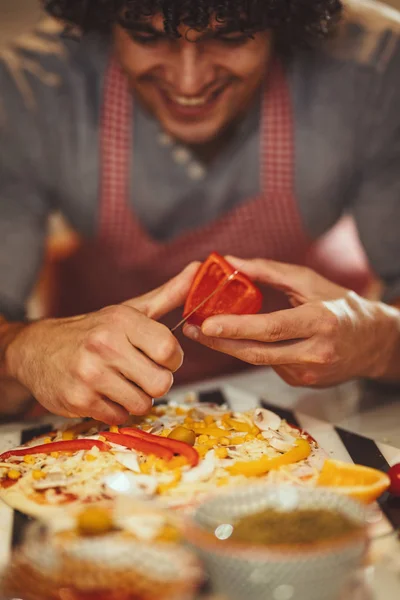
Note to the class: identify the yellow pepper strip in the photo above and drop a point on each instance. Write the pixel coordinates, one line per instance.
(216, 432)
(238, 425)
(256, 468)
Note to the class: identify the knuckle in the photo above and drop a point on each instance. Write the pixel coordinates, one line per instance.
(327, 356)
(99, 340)
(275, 331)
(329, 324)
(116, 313)
(87, 372)
(142, 404)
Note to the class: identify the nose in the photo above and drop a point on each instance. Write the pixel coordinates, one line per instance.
(191, 71)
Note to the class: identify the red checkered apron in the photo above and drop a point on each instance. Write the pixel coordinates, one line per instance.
(125, 261)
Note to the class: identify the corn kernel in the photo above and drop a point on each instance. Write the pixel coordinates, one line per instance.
(47, 440)
(90, 457)
(261, 437)
(180, 411)
(29, 459)
(68, 435)
(224, 441)
(209, 420)
(177, 462)
(202, 450)
(189, 422)
(102, 438)
(38, 475)
(249, 437)
(203, 439)
(165, 432)
(145, 468)
(55, 454)
(13, 474)
(221, 452)
(114, 429)
(223, 481)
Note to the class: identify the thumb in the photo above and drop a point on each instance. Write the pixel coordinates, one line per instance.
(169, 296)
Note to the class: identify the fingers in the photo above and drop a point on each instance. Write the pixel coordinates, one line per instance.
(135, 367)
(156, 342)
(125, 393)
(169, 296)
(279, 326)
(108, 412)
(301, 284)
(252, 352)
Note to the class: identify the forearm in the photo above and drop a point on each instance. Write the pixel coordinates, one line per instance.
(14, 397)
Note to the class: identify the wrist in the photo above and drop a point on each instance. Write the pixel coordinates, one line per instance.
(10, 359)
(385, 353)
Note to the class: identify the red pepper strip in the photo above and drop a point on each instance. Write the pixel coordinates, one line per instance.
(175, 446)
(6, 483)
(138, 444)
(238, 297)
(62, 446)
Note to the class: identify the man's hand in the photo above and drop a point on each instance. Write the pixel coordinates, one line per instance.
(106, 364)
(330, 335)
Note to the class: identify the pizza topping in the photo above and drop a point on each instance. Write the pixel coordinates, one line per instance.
(174, 446)
(239, 296)
(56, 479)
(183, 434)
(14, 474)
(263, 465)
(141, 486)
(203, 471)
(282, 442)
(128, 460)
(266, 419)
(138, 444)
(48, 448)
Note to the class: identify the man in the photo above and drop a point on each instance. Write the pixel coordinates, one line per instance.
(172, 129)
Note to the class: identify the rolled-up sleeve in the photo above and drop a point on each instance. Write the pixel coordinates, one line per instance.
(23, 202)
(376, 197)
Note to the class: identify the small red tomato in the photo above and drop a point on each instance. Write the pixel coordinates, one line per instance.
(394, 474)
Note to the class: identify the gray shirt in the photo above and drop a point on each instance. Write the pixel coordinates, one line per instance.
(346, 98)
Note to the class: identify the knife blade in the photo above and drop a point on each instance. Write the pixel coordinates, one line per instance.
(215, 291)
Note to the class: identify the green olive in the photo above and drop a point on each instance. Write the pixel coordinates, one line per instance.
(182, 434)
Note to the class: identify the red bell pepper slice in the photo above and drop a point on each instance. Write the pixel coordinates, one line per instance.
(138, 444)
(175, 446)
(62, 446)
(238, 297)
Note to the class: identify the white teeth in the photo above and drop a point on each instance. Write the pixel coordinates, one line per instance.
(189, 101)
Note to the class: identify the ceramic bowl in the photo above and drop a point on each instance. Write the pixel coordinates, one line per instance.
(245, 571)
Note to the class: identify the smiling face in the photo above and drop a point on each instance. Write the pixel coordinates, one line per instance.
(196, 85)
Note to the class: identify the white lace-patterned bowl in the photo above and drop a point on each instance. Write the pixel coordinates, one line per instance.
(244, 571)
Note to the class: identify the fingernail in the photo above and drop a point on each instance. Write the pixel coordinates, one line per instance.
(212, 329)
(152, 401)
(192, 332)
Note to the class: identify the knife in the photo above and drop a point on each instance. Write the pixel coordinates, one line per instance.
(217, 289)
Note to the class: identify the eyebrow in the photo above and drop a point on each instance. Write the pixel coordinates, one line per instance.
(220, 30)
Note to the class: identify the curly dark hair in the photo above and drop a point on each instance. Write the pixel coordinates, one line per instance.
(295, 21)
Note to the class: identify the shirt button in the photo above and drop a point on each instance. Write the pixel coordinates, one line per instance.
(196, 172)
(164, 139)
(181, 156)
